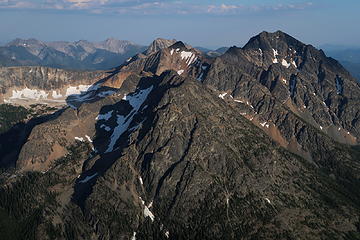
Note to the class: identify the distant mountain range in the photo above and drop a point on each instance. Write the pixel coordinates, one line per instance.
(80, 55)
(349, 57)
(107, 54)
(212, 53)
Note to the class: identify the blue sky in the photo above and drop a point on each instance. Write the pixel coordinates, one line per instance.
(198, 22)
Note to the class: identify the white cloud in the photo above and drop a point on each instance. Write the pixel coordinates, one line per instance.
(228, 7)
(16, 4)
(86, 4)
(149, 7)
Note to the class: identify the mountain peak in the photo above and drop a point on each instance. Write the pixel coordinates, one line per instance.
(272, 34)
(158, 44)
(111, 39)
(266, 40)
(24, 42)
(82, 42)
(178, 44)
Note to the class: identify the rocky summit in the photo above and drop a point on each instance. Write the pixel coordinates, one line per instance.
(259, 142)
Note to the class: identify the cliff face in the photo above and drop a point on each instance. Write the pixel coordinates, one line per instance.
(28, 85)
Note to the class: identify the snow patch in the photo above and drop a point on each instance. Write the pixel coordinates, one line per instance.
(200, 76)
(136, 100)
(321, 127)
(79, 139)
(203, 68)
(285, 63)
(28, 93)
(180, 72)
(222, 96)
(172, 51)
(88, 138)
(94, 87)
(265, 124)
(105, 93)
(140, 180)
(339, 85)
(77, 89)
(133, 236)
(105, 116)
(105, 127)
(88, 178)
(167, 234)
(268, 200)
(192, 59)
(188, 56)
(122, 125)
(148, 213)
(56, 95)
(123, 122)
(83, 93)
(72, 106)
(275, 52)
(239, 101)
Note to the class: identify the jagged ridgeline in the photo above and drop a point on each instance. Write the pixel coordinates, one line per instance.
(259, 142)
(68, 55)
